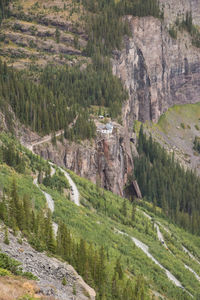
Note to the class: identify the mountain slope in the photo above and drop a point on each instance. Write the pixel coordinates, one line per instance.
(100, 220)
(49, 271)
(69, 55)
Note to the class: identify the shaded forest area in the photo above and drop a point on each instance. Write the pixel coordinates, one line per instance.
(106, 27)
(165, 183)
(4, 10)
(65, 93)
(62, 95)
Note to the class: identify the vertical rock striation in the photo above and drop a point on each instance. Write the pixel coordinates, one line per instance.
(107, 161)
(173, 9)
(157, 70)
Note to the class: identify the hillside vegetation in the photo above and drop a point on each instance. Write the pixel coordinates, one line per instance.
(88, 236)
(20, 212)
(165, 183)
(79, 34)
(54, 70)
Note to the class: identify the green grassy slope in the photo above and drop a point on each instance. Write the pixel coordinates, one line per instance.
(100, 217)
(176, 131)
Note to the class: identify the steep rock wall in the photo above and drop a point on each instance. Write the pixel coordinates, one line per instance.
(49, 271)
(107, 161)
(157, 70)
(173, 9)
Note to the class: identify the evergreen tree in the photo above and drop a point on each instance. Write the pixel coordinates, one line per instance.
(6, 240)
(165, 183)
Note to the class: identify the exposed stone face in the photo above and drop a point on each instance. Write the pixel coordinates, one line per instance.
(157, 70)
(49, 271)
(179, 8)
(108, 160)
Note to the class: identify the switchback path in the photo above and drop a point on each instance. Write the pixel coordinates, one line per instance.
(50, 202)
(145, 249)
(74, 195)
(45, 139)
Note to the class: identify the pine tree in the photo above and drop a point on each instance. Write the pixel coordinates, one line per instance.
(124, 208)
(6, 240)
(118, 269)
(57, 35)
(133, 212)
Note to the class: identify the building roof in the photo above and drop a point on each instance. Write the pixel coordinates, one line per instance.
(109, 126)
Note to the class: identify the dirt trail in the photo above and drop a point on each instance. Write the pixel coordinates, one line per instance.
(161, 239)
(74, 191)
(45, 139)
(190, 254)
(50, 202)
(145, 249)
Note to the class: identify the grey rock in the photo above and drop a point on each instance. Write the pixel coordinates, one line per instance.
(50, 271)
(157, 71)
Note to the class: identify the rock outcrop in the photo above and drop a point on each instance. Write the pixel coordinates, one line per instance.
(173, 9)
(49, 271)
(157, 70)
(108, 160)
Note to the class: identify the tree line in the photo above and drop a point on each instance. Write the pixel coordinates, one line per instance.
(106, 27)
(61, 95)
(186, 23)
(164, 182)
(4, 10)
(12, 157)
(92, 263)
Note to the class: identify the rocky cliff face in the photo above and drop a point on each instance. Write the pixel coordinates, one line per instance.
(173, 9)
(49, 271)
(157, 70)
(107, 161)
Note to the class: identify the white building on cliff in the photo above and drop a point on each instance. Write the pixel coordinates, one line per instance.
(105, 129)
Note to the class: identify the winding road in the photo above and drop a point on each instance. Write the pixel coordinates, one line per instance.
(49, 200)
(50, 203)
(74, 191)
(74, 195)
(45, 139)
(159, 234)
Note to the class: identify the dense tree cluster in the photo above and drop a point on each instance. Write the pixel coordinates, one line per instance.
(4, 11)
(32, 103)
(106, 27)
(62, 95)
(93, 86)
(91, 262)
(165, 183)
(12, 157)
(58, 181)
